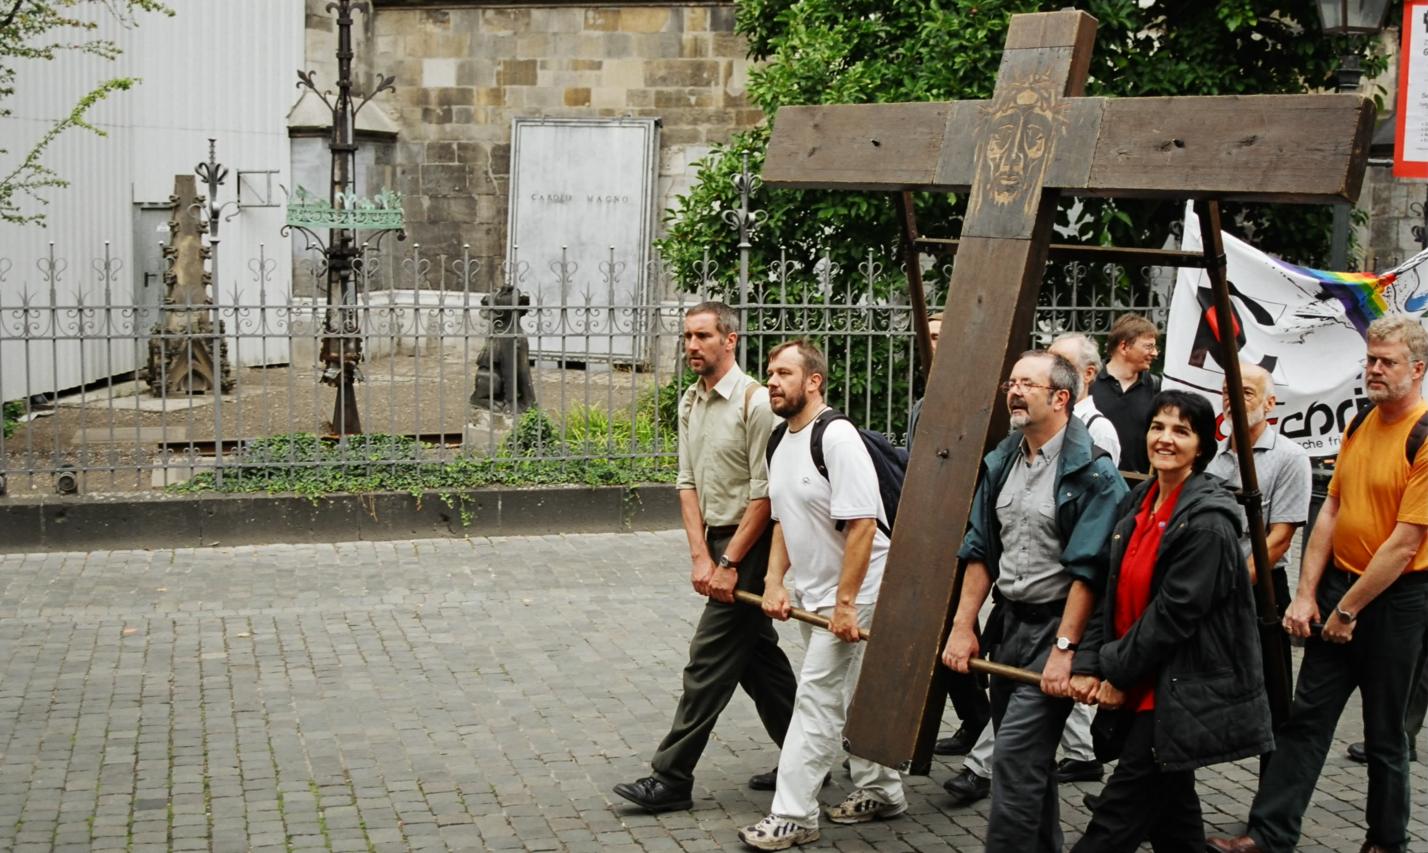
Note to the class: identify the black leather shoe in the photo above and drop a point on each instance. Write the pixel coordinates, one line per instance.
(960, 743)
(764, 781)
(967, 788)
(769, 781)
(653, 795)
(1356, 752)
(1071, 770)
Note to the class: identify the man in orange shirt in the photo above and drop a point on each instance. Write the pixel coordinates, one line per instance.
(1365, 576)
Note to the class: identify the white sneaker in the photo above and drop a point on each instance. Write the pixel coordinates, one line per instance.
(862, 806)
(776, 833)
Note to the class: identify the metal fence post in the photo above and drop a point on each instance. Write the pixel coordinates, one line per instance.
(745, 221)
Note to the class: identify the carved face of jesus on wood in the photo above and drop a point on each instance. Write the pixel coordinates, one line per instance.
(1022, 127)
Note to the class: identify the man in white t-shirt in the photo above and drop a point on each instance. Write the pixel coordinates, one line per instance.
(829, 547)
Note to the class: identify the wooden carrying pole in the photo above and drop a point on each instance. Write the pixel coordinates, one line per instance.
(1000, 670)
(1271, 636)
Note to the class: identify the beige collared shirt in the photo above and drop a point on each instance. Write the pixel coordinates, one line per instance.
(721, 448)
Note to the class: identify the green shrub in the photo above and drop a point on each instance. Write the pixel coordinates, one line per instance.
(591, 447)
(12, 412)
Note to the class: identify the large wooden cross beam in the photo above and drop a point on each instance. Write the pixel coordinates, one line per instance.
(1036, 139)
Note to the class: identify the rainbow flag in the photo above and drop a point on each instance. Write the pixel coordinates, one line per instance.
(1361, 293)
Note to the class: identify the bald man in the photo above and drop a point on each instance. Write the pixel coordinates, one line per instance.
(1282, 468)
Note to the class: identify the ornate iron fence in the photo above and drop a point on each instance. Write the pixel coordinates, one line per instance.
(101, 396)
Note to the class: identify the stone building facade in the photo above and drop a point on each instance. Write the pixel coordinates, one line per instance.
(465, 70)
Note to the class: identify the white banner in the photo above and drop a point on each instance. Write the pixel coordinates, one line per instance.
(1305, 326)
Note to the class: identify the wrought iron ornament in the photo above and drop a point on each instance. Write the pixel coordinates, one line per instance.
(342, 217)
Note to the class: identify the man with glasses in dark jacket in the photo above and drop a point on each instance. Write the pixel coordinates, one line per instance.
(1040, 519)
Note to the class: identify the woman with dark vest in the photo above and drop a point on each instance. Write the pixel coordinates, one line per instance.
(1173, 642)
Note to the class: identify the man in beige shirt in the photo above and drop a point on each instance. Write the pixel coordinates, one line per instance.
(724, 426)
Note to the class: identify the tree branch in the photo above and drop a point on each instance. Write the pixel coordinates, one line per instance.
(11, 15)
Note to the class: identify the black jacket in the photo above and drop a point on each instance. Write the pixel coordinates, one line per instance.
(1197, 637)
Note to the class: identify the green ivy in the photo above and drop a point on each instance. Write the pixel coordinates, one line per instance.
(12, 412)
(590, 447)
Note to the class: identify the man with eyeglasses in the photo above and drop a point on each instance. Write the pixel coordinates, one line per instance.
(1365, 578)
(1282, 470)
(1124, 388)
(1040, 519)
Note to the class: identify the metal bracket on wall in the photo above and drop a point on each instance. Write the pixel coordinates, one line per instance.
(255, 188)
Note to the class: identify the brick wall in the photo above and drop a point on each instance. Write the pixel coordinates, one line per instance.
(464, 73)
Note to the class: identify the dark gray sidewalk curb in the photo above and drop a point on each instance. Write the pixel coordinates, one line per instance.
(113, 522)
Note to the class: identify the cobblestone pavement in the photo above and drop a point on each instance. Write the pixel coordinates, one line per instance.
(469, 695)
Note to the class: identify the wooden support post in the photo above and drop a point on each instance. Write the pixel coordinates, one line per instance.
(1271, 635)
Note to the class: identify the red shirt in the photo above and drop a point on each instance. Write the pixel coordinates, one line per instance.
(1133, 587)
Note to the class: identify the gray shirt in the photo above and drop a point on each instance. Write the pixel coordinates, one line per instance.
(1282, 468)
(1030, 569)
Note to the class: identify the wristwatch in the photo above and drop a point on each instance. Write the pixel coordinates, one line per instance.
(726, 563)
(1064, 644)
(1344, 614)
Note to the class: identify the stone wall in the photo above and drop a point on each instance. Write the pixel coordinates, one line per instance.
(464, 73)
(1395, 208)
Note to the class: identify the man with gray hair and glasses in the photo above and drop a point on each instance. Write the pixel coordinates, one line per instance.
(1364, 586)
(973, 782)
(1081, 351)
(1041, 515)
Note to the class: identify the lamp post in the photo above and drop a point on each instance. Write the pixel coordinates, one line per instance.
(1345, 18)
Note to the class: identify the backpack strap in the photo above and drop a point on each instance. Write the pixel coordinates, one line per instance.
(775, 436)
(1416, 438)
(749, 395)
(1095, 416)
(1356, 421)
(815, 441)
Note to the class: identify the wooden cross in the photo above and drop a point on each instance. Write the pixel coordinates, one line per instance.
(1036, 139)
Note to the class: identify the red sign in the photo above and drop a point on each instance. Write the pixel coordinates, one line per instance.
(1410, 141)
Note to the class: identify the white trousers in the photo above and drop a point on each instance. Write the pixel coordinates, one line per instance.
(1075, 742)
(814, 742)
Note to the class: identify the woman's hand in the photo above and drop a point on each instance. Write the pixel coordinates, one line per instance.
(1085, 688)
(1110, 696)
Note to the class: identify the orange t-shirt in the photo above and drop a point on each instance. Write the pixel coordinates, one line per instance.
(1377, 488)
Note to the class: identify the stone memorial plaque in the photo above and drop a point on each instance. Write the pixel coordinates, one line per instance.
(586, 186)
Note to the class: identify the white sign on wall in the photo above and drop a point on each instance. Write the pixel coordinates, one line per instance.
(580, 228)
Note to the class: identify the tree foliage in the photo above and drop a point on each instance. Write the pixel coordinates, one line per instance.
(860, 51)
(45, 30)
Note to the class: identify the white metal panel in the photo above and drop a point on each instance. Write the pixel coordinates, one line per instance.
(223, 70)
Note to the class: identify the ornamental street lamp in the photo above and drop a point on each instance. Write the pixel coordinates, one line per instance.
(1345, 18)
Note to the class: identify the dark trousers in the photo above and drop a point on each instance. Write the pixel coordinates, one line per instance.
(1382, 662)
(1143, 803)
(1418, 699)
(968, 692)
(1025, 815)
(734, 645)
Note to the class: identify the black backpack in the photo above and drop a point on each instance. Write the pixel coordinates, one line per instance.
(889, 460)
(1416, 436)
